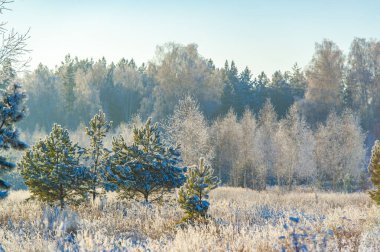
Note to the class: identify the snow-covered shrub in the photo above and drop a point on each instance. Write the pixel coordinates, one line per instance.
(299, 238)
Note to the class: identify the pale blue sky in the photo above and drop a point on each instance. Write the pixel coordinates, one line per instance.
(263, 35)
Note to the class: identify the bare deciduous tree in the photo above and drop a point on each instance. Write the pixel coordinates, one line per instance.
(13, 46)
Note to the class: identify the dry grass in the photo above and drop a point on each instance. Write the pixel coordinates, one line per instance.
(242, 220)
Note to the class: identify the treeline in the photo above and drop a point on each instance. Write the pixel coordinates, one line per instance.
(255, 153)
(332, 81)
(78, 88)
(297, 139)
(259, 150)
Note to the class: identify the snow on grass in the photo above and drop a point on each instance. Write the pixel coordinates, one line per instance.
(242, 220)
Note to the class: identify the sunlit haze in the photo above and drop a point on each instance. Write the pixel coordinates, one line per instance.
(263, 35)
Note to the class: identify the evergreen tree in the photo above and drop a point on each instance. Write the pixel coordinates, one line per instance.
(280, 93)
(298, 82)
(374, 170)
(12, 110)
(52, 169)
(147, 167)
(97, 130)
(67, 73)
(238, 88)
(193, 195)
(260, 92)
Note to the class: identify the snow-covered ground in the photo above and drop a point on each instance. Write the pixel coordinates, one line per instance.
(241, 220)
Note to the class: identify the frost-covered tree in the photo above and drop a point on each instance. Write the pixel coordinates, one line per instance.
(42, 88)
(126, 130)
(13, 46)
(129, 88)
(88, 102)
(324, 81)
(374, 170)
(193, 195)
(52, 169)
(362, 90)
(225, 139)
(245, 164)
(12, 110)
(98, 155)
(188, 128)
(179, 70)
(295, 150)
(147, 168)
(265, 146)
(260, 171)
(340, 151)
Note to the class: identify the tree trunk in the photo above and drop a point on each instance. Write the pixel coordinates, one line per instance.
(61, 197)
(93, 194)
(245, 178)
(290, 182)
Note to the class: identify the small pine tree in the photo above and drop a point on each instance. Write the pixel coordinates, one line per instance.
(193, 195)
(147, 167)
(52, 169)
(12, 110)
(374, 170)
(97, 130)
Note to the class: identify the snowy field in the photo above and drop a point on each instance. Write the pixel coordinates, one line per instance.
(241, 220)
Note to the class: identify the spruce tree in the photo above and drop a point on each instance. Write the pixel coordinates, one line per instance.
(12, 110)
(98, 155)
(374, 170)
(52, 169)
(147, 168)
(193, 195)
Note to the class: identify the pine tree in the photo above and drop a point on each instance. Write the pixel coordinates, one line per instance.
(147, 167)
(193, 195)
(374, 170)
(12, 110)
(67, 72)
(52, 169)
(97, 130)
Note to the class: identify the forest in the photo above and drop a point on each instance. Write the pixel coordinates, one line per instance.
(311, 125)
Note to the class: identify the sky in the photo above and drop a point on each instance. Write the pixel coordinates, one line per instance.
(265, 35)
